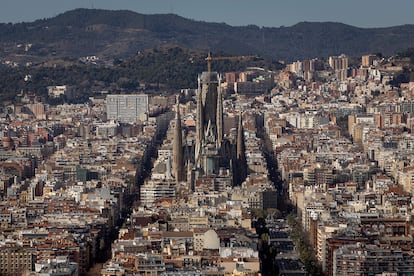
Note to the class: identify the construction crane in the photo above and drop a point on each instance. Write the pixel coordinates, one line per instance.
(209, 59)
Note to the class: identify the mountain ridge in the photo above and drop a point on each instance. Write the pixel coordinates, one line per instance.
(122, 33)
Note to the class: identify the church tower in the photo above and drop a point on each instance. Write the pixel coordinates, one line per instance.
(241, 168)
(178, 164)
(209, 127)
(240, 139)
(214, 152)
(219, 115)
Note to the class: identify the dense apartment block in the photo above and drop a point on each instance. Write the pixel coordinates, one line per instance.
(127, 108)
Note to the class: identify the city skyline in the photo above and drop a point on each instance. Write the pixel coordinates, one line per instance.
(266, 13)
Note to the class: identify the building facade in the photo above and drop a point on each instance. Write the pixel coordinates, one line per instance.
(127, 108)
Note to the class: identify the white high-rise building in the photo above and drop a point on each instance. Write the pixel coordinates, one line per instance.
(127, 108)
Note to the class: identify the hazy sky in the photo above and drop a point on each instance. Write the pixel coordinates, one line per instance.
(268, 13)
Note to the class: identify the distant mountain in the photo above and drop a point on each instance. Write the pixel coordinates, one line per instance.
(118, 34)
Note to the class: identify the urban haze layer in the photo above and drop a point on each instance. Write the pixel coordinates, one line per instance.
(307, 170)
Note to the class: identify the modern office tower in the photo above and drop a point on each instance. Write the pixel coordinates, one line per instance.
(127, 108)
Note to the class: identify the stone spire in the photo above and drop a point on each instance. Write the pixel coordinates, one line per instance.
(219, 115)
(199, 124)
(241, 167)
(240, 139)
(178, 146)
